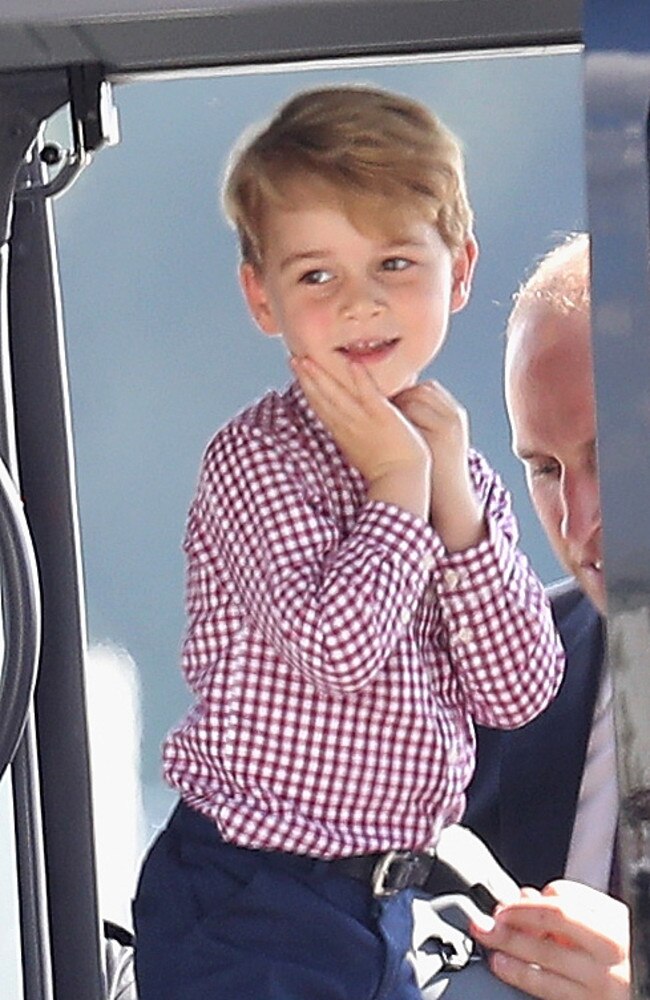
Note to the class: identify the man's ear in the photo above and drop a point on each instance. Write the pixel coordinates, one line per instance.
(257, 299)
(463, 272)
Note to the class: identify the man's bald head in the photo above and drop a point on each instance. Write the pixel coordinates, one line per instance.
(562, 279)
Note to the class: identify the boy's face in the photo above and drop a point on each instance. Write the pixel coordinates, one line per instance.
(335, 293)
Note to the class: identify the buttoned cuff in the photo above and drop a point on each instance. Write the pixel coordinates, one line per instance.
(401, 537)
(480, 570)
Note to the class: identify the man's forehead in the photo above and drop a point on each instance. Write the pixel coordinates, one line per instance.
(541, 334)
(549, 379)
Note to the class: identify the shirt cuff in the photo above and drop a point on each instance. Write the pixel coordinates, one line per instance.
(482, 568)
(399, 535)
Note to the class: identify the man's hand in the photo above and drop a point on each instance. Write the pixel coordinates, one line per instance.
(568, 942)
(373, 435)
(456, 513)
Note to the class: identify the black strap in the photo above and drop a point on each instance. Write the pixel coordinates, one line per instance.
(412, 870)
(113, 932)
(402, 869)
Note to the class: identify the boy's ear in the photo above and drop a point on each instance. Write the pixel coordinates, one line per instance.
(257, 298)
(463, 272)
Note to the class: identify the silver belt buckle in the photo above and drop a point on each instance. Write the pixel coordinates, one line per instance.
(381, 870)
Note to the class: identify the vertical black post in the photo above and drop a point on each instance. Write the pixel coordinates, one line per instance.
(57, 841)
(32, 894)
(25, 99)
(48, 485)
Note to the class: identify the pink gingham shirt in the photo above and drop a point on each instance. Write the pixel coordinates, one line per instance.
(337, 652)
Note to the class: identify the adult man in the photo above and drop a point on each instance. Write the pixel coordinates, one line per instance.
(544, 797)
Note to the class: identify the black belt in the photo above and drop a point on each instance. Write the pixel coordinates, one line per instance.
(393, 871)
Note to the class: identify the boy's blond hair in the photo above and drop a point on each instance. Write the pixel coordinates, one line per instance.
(376, 155)
(562, 279)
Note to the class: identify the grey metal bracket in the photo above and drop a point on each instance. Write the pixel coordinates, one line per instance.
(26, 100)
(94, 124)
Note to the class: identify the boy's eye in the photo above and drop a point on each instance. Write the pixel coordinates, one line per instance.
(316, 277)
(396, 263)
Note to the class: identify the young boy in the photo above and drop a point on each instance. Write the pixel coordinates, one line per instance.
(355, 595)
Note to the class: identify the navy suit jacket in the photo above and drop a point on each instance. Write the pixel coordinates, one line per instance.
(522, 799)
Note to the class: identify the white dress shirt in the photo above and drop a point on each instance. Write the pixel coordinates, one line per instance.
(592, 841)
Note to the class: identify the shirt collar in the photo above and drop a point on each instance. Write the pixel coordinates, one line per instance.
(297, 400)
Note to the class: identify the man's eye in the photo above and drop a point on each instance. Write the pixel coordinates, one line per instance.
(396, 264)
(317, 277)
(545, 470)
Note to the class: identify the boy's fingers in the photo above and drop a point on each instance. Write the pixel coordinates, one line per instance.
(319, 384)
(428, 397)
(429, 416)
(362, 390)
(363, 380)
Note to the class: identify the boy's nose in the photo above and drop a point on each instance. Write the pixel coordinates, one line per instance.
(362, 301)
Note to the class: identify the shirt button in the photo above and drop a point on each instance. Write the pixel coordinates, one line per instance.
(465, 635)
(405, 616)
(451, 578)
(428, 562)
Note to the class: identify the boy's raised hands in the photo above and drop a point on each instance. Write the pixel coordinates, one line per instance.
(456, 512)
(374, 436)
(412, 450)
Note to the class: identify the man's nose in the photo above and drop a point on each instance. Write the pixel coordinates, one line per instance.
(580, 506)
(362, 299)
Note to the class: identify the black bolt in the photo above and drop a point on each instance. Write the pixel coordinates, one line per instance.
(51, 154)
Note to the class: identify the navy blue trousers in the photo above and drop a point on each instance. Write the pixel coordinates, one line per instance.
(219, 922)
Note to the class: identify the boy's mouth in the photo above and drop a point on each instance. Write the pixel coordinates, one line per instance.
(364, 349)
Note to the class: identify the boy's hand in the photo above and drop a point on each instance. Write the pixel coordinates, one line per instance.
(456, 513)
(372, 434)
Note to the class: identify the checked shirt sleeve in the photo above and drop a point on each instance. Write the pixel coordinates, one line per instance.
(330, 606)
(502, 642)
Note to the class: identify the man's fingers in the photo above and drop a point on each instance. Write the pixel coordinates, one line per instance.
(605, 917)
(590, 920)
(566, 943)
(529, 947)
(535, 980)
(538, 965)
